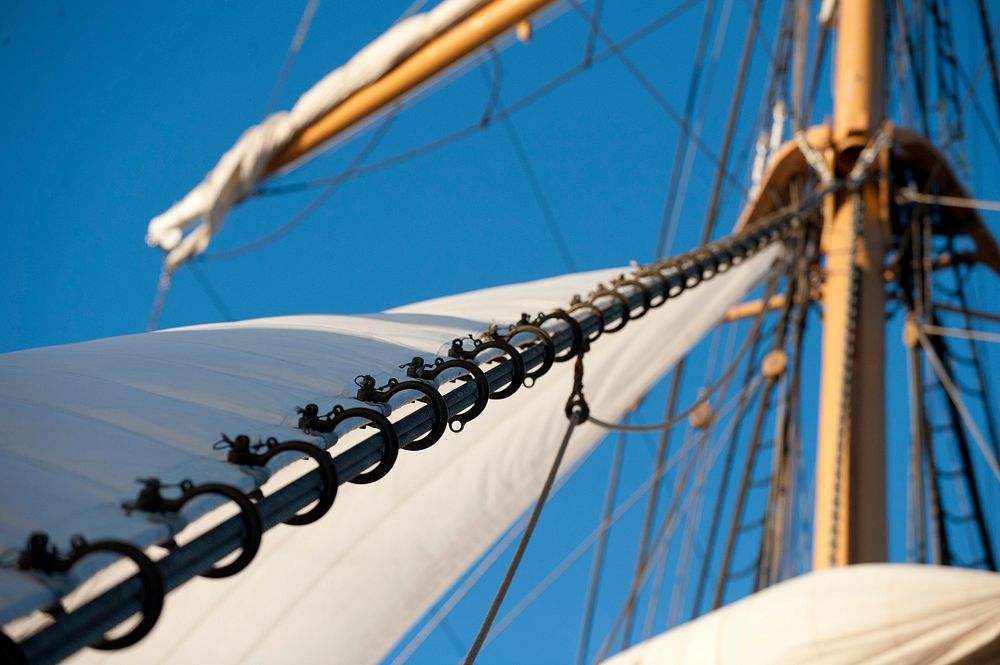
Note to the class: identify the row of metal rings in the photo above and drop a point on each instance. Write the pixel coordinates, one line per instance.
(675, 275)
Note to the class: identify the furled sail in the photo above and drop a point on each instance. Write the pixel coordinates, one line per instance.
(243, 165)
(83, 422)
(873, 614)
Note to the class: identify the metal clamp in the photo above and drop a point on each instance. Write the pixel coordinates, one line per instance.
(604, 292)
(458, 350)
(523, 327)
(577, 303)
(574, 328)
(367, 392)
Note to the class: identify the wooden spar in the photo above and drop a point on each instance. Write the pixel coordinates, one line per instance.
(850, 518)
(426, 63)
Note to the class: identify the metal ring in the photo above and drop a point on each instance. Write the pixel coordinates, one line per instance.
(550, 350)
(647, 297)
(252, 526)
(516, 360)
(593, 309)
(653, 273)
(327, 473)
(152, 584)
(574, 327)
(436, 401)
(622, 302)
(390, 441)
(457, 421)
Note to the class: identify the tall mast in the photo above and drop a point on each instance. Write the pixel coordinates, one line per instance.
(850, 519)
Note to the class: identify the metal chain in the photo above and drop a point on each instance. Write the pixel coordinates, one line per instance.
(850, 328)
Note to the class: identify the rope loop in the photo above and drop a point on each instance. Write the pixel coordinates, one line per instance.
(577, 408)
(40, 556)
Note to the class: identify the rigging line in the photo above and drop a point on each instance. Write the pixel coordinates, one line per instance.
(441, 614)
(317, 202)
(956, 399)
(657, 97)
(915, 67)
(662, 537)
(210, 291)
(984, 23)
(734, 110)
(540, 197)
(588, 52)
(597, 566)
(970, 85)
(710, 390)
(160, 299)
(294, 47)
(979, 335)
(911, 195)
(680, 152)
(574, 419)
(523, 102)
(618, 513)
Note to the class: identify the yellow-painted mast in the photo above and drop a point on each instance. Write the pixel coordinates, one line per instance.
(850, 519)
(428, 62)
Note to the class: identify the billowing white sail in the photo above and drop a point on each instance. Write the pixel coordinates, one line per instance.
(872, 614)
(82, 422)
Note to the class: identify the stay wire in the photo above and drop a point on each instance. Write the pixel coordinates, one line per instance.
(523, 102)
(298, 39)
(210, 291)
(984, 23)
(657, 97)
(317, 202)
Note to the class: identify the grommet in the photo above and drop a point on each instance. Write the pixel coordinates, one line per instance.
(458, 350)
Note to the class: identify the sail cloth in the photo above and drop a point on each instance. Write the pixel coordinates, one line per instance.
(82, 422)
(871, 614)
(242, 166)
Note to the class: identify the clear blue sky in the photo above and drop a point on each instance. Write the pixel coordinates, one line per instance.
(114, 110)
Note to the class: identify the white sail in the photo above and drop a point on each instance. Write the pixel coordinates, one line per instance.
(873, 614)
(82, 422)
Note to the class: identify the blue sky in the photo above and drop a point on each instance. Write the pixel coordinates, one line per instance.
(117, 109)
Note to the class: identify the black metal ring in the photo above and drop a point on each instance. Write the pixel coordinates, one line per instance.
(690, 271)
(647, 297)
(390, 441)
(574, 328)
(436, 401)
(457, 421)
(458, 350)
(593, 309)
(327, 473)
(546, 341)
(252, 526)
(603, 292)
(152, 585)
(707, 263)
(653, 273)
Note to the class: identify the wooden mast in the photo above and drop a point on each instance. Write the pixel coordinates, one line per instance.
(427, 63)
(850, 519)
